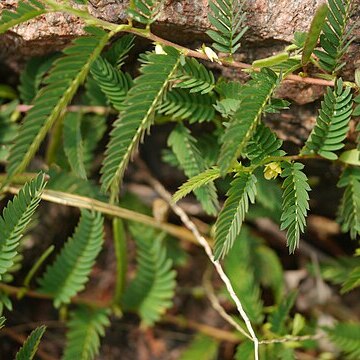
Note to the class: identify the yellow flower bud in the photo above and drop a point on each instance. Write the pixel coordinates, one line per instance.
(272, 170)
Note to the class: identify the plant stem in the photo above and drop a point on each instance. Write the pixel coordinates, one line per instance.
(15, 291)
(82, 202)
(221, 335)
(121, 259)
(91, 20)
(37, 265)
(202, 241)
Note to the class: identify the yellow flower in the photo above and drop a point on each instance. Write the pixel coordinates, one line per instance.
(272, 170)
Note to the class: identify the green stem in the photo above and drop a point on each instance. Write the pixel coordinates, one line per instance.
(55, 141)
(34, 270)
(121, 259)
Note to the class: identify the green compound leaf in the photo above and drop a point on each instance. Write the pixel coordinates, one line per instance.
(228, 18)
(228, 225)
(278, 317)
(25, 11)
(71, 269)
(86, 327)
(138, 115)
(352, 280)
(67, 74)
(195, 77)
(152, 290)
(114, 83)
(346, 337)
(145, 11)
(332, 124)
(201, 348)
(15, 218)
(118, 51)
(182, 105)
(263, 144)
(32, 76)
(73, 144)
(349, 209)
(295, 203)
(28, 350)
(254, 98)
(336, 36)
(196, 182)
(191, 161)
(314, 33)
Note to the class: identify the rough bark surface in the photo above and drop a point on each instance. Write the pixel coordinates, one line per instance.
(272, 24)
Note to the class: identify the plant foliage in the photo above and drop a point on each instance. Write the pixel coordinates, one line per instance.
(86, 326)
(25, 11)
(150, 293)
(217, 136)
(263, 144)
(32, 76)
(145, 11)
(113, 82)
(190, 159)
(196, 182)
(314, 33)
(228, 225)
(254, 97)
(295, 203)
(28, 350)
(201, 348)
(228, 17)
(182, 105)
(70, 271)
(66, 76)
(349, 210)
(346, 337)
(73, 144)
(240, 266)
(138, 115)
(332, 124)
(195, 77)
(15, 218)
(336, 36)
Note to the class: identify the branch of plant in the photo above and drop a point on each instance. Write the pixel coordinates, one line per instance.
(145, 33)
(209, 290)
(215, 303)
(16, 291)
(83, 202)
(99, 110)
(202, 241)
(219, 334)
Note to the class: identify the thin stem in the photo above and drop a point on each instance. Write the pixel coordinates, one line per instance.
(100, 110)
(221, 335)
(15, 291)
(209, 290)
(37, 265)
(121, 259)
(83, 202)
(55, 141)
(202, 241)
(91, 20)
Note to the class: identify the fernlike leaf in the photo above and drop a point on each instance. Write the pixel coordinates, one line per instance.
(228, 225)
